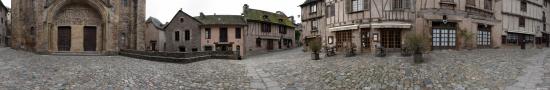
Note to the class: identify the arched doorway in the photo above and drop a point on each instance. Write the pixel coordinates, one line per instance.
(76, 26)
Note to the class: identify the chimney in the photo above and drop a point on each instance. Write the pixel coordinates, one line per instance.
(292, 19)
(245, 6)
(202, 15)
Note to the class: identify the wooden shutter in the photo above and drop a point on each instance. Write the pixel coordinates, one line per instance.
(348, 6)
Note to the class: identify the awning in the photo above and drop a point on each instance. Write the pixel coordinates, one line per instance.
(374, 25)
(388, 25)
(342, 28)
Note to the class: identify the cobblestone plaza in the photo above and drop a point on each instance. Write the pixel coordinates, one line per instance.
(482, 69)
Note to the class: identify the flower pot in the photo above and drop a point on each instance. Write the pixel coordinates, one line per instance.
(315, 56)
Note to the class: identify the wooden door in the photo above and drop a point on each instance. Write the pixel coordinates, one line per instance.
(223, 35)
(90, 36)
(270, 44)
(64, 39)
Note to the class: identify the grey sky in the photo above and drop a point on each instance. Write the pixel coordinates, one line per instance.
(164, 10)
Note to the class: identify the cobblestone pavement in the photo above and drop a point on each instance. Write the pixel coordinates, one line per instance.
(533, 74)
(482, 69)
(24, 71)
(545, 85)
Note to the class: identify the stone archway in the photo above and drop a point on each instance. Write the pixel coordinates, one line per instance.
(86, 21)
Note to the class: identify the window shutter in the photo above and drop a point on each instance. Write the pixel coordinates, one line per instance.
(366, 5)
(348, 6)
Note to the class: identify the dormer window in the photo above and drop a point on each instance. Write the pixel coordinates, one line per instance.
(266, 18)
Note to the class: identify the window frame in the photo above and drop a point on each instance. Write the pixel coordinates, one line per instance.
(488, 5)
(357, 5)
(208, 33)
(523, 6)
(521, 21)
(238, 33)
(313, 8)
(177, 36)
(187, 34)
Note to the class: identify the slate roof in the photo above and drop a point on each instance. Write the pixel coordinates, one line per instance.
(156, 23)
(258, 15)
(221, 19)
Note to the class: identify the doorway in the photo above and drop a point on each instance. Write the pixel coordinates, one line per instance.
(90, 36)
(64, 38)
(270, 44)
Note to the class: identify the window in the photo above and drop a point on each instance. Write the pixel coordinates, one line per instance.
(282, 29)
(314, 25)
(266, 18)
(266, 27)
(521, 21)
(238, 33)
(125, 2)
(489, 4)
(258, 42)
(471, 3)
(177, 35)
(208, 33)
(313, 8)
(194, 49)
(357, 5)
(483, 36)
(401, 4)
(181, 19)
(332, 10)
(523, 6)
(187, 35)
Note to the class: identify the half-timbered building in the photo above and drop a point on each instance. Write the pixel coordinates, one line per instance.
(368, 24)
(522, 20)
(267, 31)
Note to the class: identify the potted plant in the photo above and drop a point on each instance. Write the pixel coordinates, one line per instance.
(416, 43)
(315, 47)
(406, 52)
(467, 38)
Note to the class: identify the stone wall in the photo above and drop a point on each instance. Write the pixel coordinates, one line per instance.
(179, 57)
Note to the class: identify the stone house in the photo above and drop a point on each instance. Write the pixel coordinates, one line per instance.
(154, 35)
(523, 20)
(222, 32)
(3, 25)
(267, 31)
(77, 26)
(183, 33)
(365, 24)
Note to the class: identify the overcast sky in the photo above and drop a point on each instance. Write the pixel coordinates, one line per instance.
(164, 10)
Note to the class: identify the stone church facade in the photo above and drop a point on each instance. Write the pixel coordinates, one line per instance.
(78, 26)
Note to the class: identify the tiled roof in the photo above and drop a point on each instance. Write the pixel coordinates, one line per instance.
(309, 1)
(258, 15)
(221, 20)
